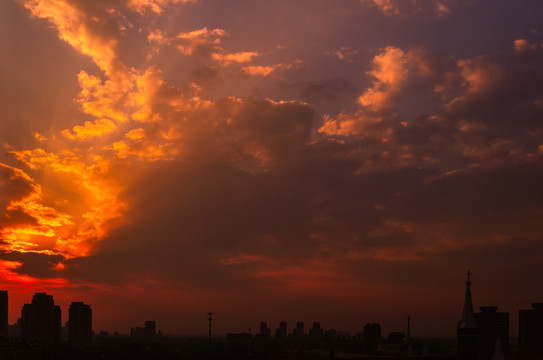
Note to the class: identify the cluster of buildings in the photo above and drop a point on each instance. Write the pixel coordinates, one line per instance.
(146, 332)
(484, 335)
(41, 322)
(370, 341)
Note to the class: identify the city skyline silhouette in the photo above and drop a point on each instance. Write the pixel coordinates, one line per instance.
(315, 161)
(483, 335)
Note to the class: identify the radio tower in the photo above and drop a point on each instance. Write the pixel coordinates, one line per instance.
(210, 319)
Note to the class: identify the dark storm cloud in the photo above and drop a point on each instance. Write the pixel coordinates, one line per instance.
(34, 265)
(15, 186)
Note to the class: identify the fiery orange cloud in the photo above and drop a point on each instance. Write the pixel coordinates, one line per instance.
(75, 27)
(72, 231)
(390, 71)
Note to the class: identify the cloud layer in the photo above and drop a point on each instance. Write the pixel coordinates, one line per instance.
(308, 169)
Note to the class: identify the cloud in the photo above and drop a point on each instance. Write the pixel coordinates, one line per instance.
(205, 43)
(348, 182)
(269, 70)
(390, 73)
(89, 27)
(156, 6)
(408, 7)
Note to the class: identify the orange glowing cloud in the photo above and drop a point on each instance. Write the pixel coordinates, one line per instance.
(82, 31)
(71, 231)
(400, 7)
(390, 73)
(266, 70)
(206, 43)
(156, 6)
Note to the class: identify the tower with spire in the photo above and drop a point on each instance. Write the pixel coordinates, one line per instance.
(467, 332)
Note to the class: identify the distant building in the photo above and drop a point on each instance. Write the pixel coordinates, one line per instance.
(147, 332)
(80, 324)
(281, 331)
(298, 332)
(150, 329)
(265, 332)
(530, 334)
(372, 332)
(396, 337)
(371, 337)
(467, 332)
(330, 334)
(316, 334)
(4, 314)
(41, 320)
(493, 327)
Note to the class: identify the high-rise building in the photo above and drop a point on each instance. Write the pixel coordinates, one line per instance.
(372, 332)
(4, 314)
(80, 324)
(298, 332)
(265, 332)
(41, 320)
(316, 333)
(281, 331)
(530, 332)
(150, 329)
(467, 332)
(493, 328)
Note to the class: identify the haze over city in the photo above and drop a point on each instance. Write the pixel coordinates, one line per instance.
(336, 161)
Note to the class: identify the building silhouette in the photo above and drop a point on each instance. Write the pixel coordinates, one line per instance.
(371, 337)
(146, 332)
(467, 331)
(4, 314)
(372, 332)
(41, 319)
(530, 332)
(298, 331)
(281, 331)
(493, 327)
(150, 328)
(316, 334)
(265, 332)
(80, 323)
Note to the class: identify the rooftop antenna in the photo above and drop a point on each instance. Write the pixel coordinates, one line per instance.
(210, 319)
(408, 329)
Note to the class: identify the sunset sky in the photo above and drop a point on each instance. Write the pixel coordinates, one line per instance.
(341, 161)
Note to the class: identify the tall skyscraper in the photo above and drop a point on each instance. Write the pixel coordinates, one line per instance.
(493, 328)
(467, 332)
(298, 332)
(265, 332)
(530, 332)
(41, 320)
(316, 333)
(281, 331)
(3, 314)
(80, 323)
(372, 332)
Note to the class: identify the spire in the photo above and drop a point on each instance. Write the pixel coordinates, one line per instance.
(498, 354)
(468, 320)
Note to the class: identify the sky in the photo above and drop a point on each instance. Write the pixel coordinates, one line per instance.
(313, 160)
